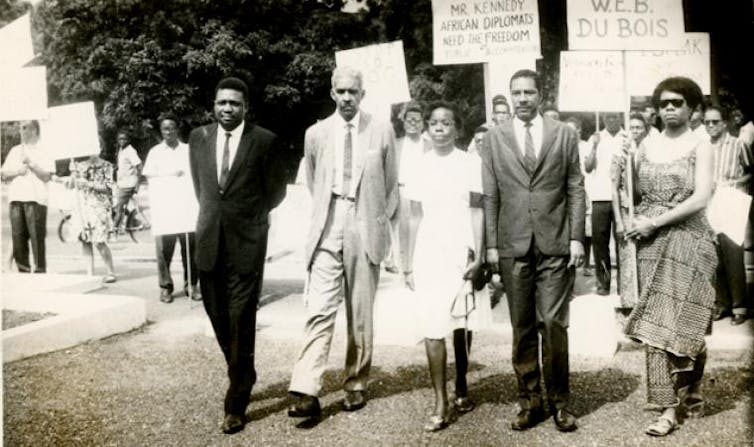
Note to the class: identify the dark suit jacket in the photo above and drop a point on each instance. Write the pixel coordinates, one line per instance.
(548, 205)
(256, 184)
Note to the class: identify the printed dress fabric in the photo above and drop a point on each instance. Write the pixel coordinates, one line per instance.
(626, 249)
(676, 266)
(443, 185)
(94, 207)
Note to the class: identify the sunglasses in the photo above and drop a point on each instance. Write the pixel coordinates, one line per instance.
(712, 122)
(676, 102)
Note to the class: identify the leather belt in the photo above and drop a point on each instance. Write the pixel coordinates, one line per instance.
(340, 197)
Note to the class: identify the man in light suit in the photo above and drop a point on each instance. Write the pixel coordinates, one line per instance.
(351, 172)
(534, 212)
(238, 179)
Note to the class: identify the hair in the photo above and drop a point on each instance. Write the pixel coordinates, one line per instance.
(233, 83)
(723, 113)
(638, 116)
(411, 106)
(526, 73)
(499, 99)
(34, 124)
(347, 71)
(166, 117)
(445, 105)
(683, 86)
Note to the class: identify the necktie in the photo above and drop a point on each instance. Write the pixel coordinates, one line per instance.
(530, 157)
(347, 155)
(225, 166)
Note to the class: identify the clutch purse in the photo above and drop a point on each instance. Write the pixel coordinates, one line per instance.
(481, 277)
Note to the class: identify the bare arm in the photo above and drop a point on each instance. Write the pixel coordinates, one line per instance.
(590, 162)
(391, 175)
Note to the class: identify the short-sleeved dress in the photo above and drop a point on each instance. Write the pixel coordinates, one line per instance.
(677, 264)
(94, 207)
(443, 184)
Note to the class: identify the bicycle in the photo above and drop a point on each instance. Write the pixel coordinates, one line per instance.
(135, 221)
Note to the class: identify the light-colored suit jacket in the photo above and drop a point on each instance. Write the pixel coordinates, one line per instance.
(376, 182)
(548, 204)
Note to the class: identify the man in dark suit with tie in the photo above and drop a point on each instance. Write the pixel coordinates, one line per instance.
(534, 212)
(238, 179)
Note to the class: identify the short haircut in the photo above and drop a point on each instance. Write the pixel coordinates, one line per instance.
(499, 99)
(445, 105)
(34, 124)
(526, 73)
(640, 117)
(720, 110)
(167, 117)
(412, 106)
(233, 83)
(347, 71)
(681, 85)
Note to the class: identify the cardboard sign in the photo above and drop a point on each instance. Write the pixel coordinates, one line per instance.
(383, 68)
(173, 205)
(23, 94)
(648, 68)
(16, 49)
(624, 24)
(591, 81)
(71, 131)
(474, 31)
(728, 212)
(497, 77)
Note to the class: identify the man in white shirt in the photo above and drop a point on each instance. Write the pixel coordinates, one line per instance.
(28, 169)
(605, 144)
(170, 160)
(129, 169)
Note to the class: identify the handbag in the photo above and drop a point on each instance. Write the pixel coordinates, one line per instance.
(481, 277)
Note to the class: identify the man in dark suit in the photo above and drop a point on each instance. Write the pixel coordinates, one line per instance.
(238, 180)
(534, 210)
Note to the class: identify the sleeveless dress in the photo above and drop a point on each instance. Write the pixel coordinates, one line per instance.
(677, 264)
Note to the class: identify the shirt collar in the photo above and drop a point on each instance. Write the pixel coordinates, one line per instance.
(341, 122)
(234, 133)
(535, 122)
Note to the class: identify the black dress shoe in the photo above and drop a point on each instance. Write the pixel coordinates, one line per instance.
(354, 400)
(527, 418)
(232, 423)
(737, 319)
(564, 421)
(305, 406)
(166, 296)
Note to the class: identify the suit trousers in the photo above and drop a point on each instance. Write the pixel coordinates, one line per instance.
(165, 247)
(28, 223)
(230, 299)
(539, 288)
(340, 271)
(731, 279)
(602, 222)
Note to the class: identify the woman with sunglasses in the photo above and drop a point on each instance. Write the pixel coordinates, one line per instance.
(676, 257)
(447, 222)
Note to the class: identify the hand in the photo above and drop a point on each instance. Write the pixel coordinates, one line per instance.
(472, 269)
(619, 230)
(577, 254)
(408, 280)
(642, 228)
(493, 258)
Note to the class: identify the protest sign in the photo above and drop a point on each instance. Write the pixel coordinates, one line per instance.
(728, 212)
(497, 77)
(16, 49)
(474, 31)
(383, 67)
(624, 24)
(71, 131)
(648, 68)
(23, 94)
(591, 81)
(173, 205)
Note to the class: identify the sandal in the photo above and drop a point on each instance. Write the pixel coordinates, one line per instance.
(463, 404)
(435, 423)
(661, 427)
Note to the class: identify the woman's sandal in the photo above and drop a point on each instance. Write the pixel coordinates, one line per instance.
(436, 423)
(463, 404)
(661, 427)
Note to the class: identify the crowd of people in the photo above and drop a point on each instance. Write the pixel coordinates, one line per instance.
(519, 210)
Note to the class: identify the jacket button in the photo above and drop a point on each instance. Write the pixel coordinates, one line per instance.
(221, 192)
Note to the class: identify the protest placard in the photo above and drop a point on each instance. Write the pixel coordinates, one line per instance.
(383, 67)
(70, 131)
(23, 94)
(591, 81)
(474, 31)
(624, 24)
(16, 49)
(728, 212)
(648, 68)
(173, 205)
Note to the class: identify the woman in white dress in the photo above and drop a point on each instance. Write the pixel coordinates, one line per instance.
(446, 229)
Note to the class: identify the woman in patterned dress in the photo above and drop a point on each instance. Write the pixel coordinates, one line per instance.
(676, 257)
(93, 179)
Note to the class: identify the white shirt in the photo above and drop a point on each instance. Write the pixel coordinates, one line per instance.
(339, 132)
(235, 139)
(128, 163)
(601, 185)
(536, 134)
(411, 152)
(163, 160)
(584, 149)
(701, 132)
(28, 187)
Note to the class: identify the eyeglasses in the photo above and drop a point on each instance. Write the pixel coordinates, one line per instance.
(413, 121)
(676, 102)
(712, 122)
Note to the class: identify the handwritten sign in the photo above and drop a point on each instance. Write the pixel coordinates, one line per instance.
(23, 94)
(648, 68)
(624, 24)
(474, 31)
(383, 67)
(16, 49)
(591, 81)
(71, 131)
